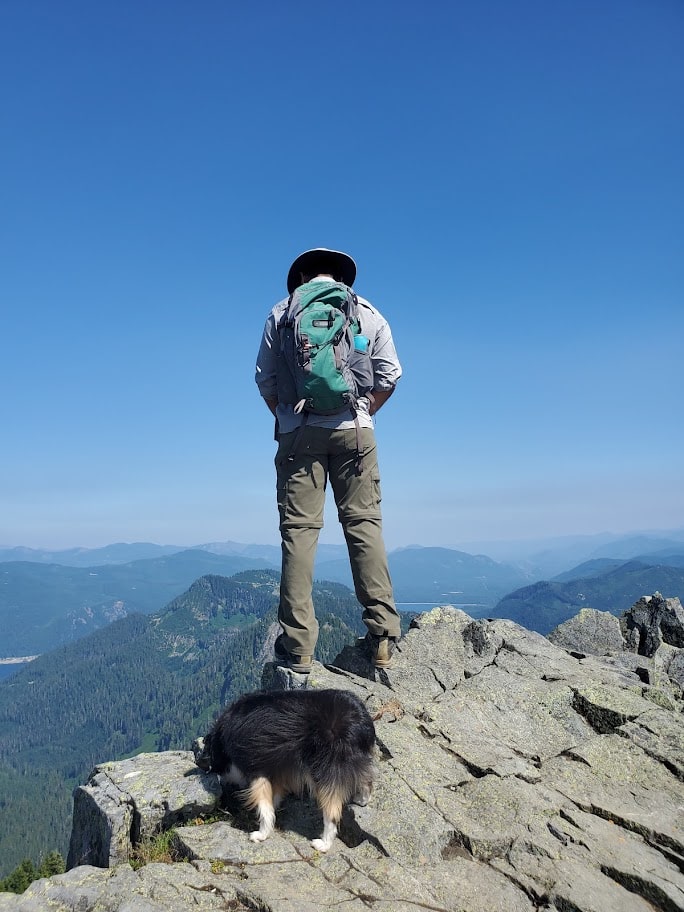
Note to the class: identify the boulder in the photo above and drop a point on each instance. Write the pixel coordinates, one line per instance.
(590, 631)
(125, 803)
(651, 621)
(647, 639)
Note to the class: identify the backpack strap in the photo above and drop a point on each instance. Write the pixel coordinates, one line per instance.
(358, 463)
(353, 314)
(287, 316)
(297, 437)
(287, 321)
(353, 310)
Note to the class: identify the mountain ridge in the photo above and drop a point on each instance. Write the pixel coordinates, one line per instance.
(45, 605)
(548, 603)
(539, 554)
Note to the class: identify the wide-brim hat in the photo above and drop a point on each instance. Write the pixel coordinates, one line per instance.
(320, 259)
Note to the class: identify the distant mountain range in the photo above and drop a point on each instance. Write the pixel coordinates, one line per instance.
(125, 553)
(539, 558)
(44, 605)
(545, 558)
(604, 584)
(48, 598)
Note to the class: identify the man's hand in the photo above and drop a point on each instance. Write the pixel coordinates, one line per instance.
(380, 397)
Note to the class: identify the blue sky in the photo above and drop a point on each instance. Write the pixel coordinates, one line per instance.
(507, 175)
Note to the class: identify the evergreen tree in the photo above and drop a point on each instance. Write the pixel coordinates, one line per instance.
(26, 872)
(23, 875)
(52, 864)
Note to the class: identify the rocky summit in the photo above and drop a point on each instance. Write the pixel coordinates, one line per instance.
(513, 773)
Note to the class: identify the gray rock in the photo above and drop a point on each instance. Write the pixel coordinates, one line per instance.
(590, 631)
(275, 677)
(615, 778)
(512, 775)
(675, 668)
(481, 646)
(154, 888)
(669, 661)
(652, 632)
(607, 708)
(126, 802)
(651, 621)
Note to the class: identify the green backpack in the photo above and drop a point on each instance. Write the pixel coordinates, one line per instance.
(324, 365)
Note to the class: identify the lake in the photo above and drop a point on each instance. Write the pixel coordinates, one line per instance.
(6, 671)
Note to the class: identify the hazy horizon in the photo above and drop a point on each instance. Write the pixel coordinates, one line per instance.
(604, 536)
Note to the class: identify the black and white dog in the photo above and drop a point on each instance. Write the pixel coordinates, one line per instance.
(273, 743)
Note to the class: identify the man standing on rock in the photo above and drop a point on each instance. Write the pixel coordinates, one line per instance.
(323, 391)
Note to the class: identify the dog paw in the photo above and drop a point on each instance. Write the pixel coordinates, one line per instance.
(257, 836)
(320, 845)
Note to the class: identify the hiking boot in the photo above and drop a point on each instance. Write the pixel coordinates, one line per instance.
(379, 649)
(298, 664)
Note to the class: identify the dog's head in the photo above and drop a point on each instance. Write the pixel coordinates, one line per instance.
(201, 748)
(210, 753)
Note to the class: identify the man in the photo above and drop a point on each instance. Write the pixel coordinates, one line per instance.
(314, 448)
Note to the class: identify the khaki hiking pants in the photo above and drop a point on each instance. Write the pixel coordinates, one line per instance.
(321, 454)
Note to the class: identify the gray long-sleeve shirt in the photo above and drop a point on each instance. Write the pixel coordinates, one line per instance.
(386, 367)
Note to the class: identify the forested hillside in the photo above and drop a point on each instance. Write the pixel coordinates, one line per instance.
(442, 576)
(142, 683)
(544, 605)
(43, 606)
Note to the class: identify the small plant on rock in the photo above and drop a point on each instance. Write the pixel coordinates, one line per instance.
(161, 848)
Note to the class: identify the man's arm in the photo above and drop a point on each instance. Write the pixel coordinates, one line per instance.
(386, 366)
(265, 375)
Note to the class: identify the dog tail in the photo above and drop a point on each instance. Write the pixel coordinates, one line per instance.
(340, 749)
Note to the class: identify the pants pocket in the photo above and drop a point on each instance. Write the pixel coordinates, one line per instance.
(376, 492)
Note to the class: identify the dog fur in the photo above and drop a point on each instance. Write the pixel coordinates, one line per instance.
(274, 743)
